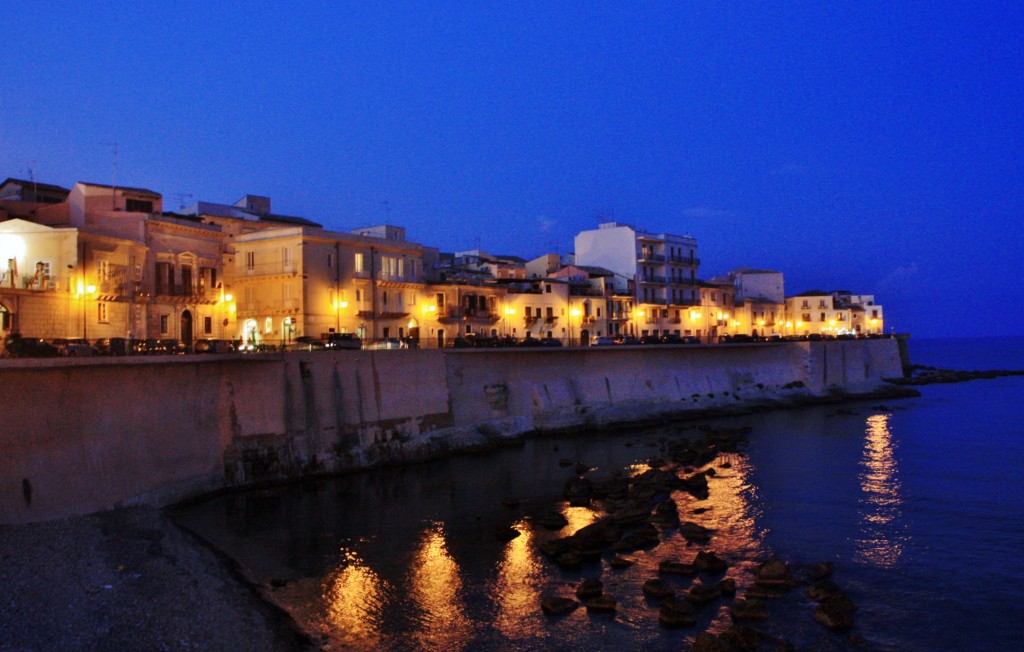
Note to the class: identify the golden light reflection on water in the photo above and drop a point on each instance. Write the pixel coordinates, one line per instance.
(517, 589)
(881, 504)
(435, 585)
(354, 596)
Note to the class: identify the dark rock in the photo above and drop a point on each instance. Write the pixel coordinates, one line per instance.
(675, 613)
(822, 590)
(632, 512)
(564, 462)
(707, 642)
(742, 637)
(666, 514)
(658, 589)
(836, 612)
(551, 521)
(570, 560)
(510, 502)
(697, 485)
(820, 571)
(578, 491)
(601, 604)
(694, 532)
(505, 533)
(671, 567)
(582, 468)
(727, 587)
(774, 574)
(710, 563)
(641, 537)
(554, 605)
(620, 562)
(748, 609)
(702, 594)
(589, 588)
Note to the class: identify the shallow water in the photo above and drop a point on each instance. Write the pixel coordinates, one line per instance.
(916, 502)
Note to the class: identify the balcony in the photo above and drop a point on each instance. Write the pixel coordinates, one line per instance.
(652, 280)
(650, 257)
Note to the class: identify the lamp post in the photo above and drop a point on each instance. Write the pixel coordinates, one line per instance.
(573, 314)
(509, 313)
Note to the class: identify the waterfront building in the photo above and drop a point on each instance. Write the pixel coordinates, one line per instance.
(866, 315)
(663, 269)
(817, 313)
(289, 282)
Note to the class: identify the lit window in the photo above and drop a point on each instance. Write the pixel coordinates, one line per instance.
(101, 313)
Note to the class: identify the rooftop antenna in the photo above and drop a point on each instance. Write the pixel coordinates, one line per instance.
(32, 178)
(113, 176)
(181, 197)
(387, 211)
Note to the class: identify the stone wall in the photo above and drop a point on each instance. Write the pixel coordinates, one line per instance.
(88, 434)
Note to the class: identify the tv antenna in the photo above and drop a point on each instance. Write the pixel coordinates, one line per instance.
(113, 176)
(181, 197)
(386, 207)
(32, 178)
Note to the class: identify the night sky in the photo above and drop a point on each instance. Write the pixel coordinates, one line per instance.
(873, 147)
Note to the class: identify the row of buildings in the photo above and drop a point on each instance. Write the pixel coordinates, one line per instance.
(97, 261)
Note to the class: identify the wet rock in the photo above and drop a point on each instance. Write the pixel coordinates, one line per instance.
(658, 589)
(511, 503)
(675, 613)
(666, 514)
(710, 563)
(505, 533)
(554, 605)
(631, 512)
(695, 532)
(697, 485)
(564, 462)
(601, 604)
(570, 560)
(672, 567)
(820, 571)
(620, 562)
(774, 573)
(635, 539)
(589, 589)
(582, 468)
(727, 587)
(707, 642)
(822, 590)
(551, 521)
(836, 612)
(703, 594)
(742, 637)
(578, 491)
(748, 609)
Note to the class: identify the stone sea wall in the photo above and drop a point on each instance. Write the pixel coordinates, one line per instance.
(85, 435)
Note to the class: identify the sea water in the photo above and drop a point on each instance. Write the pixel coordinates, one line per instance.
(917, 503)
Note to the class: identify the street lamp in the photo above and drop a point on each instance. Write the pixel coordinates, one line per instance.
(573, 314)
(509, 313)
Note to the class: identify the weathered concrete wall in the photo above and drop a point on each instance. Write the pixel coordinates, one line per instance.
(83, 435)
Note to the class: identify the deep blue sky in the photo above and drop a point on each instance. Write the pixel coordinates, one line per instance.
(875, 147)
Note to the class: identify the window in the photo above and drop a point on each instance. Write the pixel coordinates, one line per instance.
(806, 316)
(207, 325)
(286, 258)
(250, 298)
(138, 206)
(163, 324)
(359, 296)
(268, 325)
(164, 278)
(102, 269)
(822, 316)
(250, 261)
(439, 300)
(330, 261)
(384, 296)
(547, 288)
(805, 304)
(821, 304)
(101, 313)
(186, 279)
(359, 262)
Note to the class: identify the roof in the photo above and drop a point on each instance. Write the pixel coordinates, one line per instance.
(212, 209)
(595, 271)
(35, 184)
(138, 191)
(289, 219)
(813, 293)
(752, 270)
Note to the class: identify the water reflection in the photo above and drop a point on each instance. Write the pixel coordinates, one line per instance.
(881, 504)
(354, 596)
(435, 586)
(516, 591)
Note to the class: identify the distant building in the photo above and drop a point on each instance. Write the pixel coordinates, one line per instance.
(662, 269)
(817, 313)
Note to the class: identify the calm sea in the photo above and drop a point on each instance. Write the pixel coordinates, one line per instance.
(917, 502)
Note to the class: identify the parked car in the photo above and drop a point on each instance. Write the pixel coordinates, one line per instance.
(550, 341)
(627, 339)
(213, 346)
(342, 341)
(386, 343)
(650, 339)
(530, 342)
(16, 346)
(603, 340)
(305, 343)
(74, 347)
(114, 345)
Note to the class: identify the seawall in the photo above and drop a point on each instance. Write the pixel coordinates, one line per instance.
(90, 434)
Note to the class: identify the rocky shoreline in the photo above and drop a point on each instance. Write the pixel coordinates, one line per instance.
(128, 579)
(924, 375)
